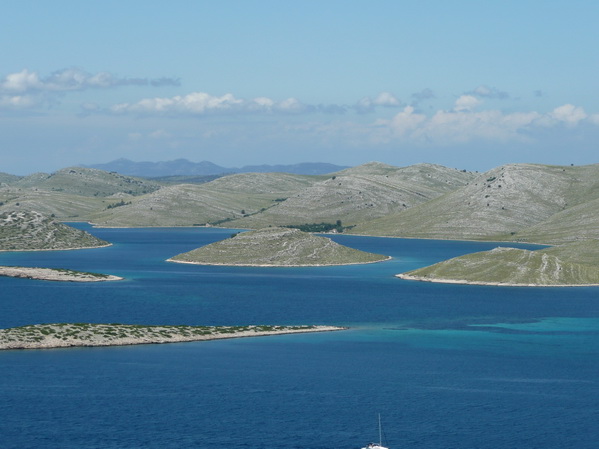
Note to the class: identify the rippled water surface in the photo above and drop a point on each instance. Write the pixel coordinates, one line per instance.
(447, 366)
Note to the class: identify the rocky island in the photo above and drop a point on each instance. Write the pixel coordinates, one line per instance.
(277, 247)
(63, 335)
(55, 274)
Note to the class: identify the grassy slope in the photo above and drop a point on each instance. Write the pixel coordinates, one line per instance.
(224, 199)
(64, 206)
(361, 193)
(34, 231)
(496, 205)
(277, 247)
(513, 267)
(575, 223)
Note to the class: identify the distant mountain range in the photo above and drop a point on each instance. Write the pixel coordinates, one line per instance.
(184, 167)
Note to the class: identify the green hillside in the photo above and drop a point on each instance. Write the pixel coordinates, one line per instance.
(61, 205)
(359, 194)
(216, 202)
(578, 222)
(496, 205)
(510, 266)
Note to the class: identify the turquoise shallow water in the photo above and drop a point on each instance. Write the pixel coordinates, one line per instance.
(447, 366)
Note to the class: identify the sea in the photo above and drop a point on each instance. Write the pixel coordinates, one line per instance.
(444, 366)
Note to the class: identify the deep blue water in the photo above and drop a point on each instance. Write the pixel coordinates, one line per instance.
(447, 366)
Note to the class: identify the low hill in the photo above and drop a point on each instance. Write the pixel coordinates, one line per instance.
(360, 194)
(87, 182)
(496, 205)
(216, 202)
(510, 266)
(21, 231)
(276, 247)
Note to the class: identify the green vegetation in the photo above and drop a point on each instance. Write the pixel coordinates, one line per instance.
(320, 227)
(119, 204)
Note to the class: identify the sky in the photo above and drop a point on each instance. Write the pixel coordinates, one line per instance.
(468, 84)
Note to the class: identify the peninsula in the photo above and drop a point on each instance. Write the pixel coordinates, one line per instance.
(63, 335)
(551, 267)
(276, 247)
(33, 231)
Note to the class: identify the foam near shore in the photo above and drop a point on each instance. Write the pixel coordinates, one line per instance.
(63, 335)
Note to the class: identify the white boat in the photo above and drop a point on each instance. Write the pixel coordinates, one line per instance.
(378, 445)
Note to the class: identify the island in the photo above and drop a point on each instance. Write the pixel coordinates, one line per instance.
(56, 274)
(64, 335)
(277, 247)
(502, 266)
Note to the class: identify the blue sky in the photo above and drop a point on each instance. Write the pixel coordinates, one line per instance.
(467, 84)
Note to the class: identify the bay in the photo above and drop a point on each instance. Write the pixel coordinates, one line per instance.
(447, 366)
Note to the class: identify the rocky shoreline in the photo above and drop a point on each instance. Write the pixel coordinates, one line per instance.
(55, 274)
(65, 335)
(410, 277)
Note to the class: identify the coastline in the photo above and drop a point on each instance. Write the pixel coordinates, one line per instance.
(67, 335)
(52, 274)
(410, 277)
(56, 249)
(277, 266)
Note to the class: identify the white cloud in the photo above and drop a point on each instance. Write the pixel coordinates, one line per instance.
(569, 114)
(457, 126)
(384, 99)
(466, 103)
(406, 121)
(26, 89)
(20, 82)
(202, 103)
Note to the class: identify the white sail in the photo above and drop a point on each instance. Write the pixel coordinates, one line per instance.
(378, 445)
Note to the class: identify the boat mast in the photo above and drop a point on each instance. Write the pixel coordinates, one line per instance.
(380, 432)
